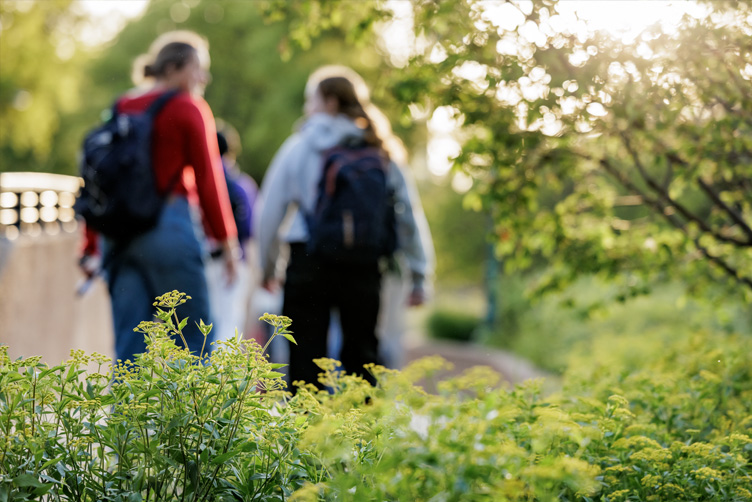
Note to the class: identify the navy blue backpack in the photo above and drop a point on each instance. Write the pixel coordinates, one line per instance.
(119, 198)
(354, 219)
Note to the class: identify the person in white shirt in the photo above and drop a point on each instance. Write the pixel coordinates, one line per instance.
(337, 111)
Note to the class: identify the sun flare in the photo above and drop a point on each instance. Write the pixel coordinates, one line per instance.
(626, 19)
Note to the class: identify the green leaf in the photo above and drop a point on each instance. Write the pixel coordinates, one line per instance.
(242, 386)
(289, 337)
(150, 393)
(51, 462)
(193, 471)
(46, 487)
(272, 374)
(27, 480)
(228, 403)
(249, 446)
(220, 459)
(107, 399)
(51, 370)
(179, 421)
(90, 390)
(12, 376)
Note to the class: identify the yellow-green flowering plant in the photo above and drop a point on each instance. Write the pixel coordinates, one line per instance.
(169, 425)
(221, 427)
(676, 428)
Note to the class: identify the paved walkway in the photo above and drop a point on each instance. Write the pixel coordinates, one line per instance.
(42, 316)
(463, 356)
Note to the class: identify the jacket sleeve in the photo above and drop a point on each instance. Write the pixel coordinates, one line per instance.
(90, 244)
(270, 207)
(203, 155)
(413, 234)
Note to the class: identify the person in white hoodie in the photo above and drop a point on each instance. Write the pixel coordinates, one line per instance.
(337, 111)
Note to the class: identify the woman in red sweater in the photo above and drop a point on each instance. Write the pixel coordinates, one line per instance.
(188, 170)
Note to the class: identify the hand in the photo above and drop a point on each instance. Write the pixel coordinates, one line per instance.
(90, 265)
(417, 297)
(271, 284)
(231, 257)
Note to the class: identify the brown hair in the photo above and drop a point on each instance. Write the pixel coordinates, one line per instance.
(231, 137)
(343, 91)
(175, 55)
(173, 49)
(351, 93)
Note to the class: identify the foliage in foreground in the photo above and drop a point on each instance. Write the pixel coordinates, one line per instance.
(178, 427)
(171, 426)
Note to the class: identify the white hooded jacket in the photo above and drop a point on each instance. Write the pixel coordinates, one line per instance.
(291, 183)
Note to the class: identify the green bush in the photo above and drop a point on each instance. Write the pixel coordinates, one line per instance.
(673, 426)
(548, 330)
(451, 325)
(168, 426)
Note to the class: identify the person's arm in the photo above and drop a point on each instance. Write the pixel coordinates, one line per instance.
(203, 155)
(270, 208)
(413, 234)
(89, 260)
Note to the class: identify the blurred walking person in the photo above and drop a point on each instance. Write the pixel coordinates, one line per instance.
(338, 114)
(230, 301)
(188, 173)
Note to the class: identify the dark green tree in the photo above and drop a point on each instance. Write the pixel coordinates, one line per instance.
(53, 88)
(40, 75)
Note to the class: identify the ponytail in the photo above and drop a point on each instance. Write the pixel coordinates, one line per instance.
(343, 91)
(172, 50)
(350, 91)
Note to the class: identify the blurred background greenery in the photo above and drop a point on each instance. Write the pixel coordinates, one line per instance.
(498, 281)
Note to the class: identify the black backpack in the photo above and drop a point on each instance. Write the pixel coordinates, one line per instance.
(354, 219)
(119, 198)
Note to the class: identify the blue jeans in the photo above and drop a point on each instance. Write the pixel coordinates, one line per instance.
(166, 258)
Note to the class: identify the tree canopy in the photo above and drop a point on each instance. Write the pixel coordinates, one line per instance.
(40, 74)
(253, 87)
(626, 159)
(53, 87)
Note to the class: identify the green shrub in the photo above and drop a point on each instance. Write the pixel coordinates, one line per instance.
(168, 426)
(171, 426)
(677, 428)
(451, 325)
(548, 330)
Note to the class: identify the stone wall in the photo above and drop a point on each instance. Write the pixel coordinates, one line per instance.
(40, 313)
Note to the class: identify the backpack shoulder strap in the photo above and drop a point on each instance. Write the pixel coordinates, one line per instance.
(153, 108)
(113, 111)
(159, 103)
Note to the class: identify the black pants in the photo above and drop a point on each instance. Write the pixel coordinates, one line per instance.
(312, 288)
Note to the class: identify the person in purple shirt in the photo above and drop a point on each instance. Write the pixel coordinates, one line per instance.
(242, 190)
(230, 301)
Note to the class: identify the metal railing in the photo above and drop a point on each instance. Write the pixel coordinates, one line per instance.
(37, 203)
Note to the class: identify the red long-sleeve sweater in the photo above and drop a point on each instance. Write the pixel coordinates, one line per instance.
(185, 138)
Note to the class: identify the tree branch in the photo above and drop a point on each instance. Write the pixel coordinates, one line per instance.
(650, 201)
(669, 174)
(733, 214)
(663, 195)
(661, 209)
